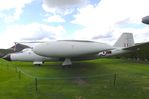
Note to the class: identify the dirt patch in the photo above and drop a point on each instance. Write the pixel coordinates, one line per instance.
(79, 81)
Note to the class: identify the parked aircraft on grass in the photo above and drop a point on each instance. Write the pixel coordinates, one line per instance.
(74, 50)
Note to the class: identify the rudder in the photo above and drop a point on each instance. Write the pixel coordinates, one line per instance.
(125, 40)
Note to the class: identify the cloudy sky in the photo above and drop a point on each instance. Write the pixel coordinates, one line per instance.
(97, 20)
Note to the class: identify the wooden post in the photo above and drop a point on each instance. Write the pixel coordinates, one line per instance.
(16, 69)
(7, 66)
(114, 82)
(36, 84)
(19, 75)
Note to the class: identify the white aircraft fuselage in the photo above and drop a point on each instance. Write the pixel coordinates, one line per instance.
(28, 55)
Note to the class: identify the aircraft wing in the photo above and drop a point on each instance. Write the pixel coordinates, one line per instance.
(137, 46)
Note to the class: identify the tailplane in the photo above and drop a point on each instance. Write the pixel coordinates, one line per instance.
(125, 40)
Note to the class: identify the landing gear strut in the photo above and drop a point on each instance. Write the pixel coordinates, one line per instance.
(67, 62)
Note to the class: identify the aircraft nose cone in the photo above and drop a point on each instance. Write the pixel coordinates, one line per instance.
(7, 57)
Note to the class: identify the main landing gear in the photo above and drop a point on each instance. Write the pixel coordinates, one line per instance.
(67, 62)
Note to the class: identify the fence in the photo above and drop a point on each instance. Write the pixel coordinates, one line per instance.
(21, 72)
(99, 81)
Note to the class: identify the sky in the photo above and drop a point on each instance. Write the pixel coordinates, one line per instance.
(96, 20)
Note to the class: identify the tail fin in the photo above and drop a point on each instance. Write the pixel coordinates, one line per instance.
(125, 40)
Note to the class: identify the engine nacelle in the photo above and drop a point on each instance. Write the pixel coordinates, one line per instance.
(69, 48)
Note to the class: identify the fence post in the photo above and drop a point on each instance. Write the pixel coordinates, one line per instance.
(16, 69)
(7, 66)
(19, 75)
(36, 84)
(114, 82)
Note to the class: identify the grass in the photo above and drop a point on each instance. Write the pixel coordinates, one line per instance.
(132, 80)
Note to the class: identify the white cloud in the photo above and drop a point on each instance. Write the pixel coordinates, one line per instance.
(16, 5)
(102, 22)
(33, 31)
(62, 6)
(63, 3)
(108, 16)
(54, 18)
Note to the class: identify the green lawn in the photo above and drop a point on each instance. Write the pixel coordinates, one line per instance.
(84, 80)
